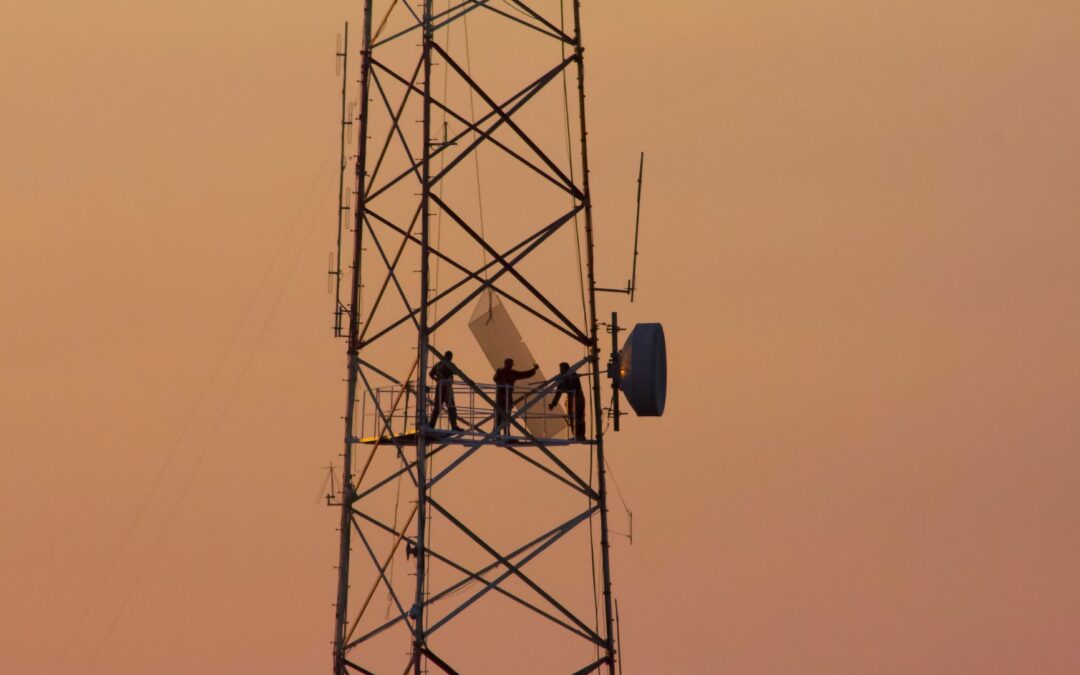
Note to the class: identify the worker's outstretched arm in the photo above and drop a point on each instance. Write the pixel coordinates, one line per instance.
(555, 401)
(516, 375)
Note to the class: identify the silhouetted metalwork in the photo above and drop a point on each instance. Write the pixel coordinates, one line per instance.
(403, 409)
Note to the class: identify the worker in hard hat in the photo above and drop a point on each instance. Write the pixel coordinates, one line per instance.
(505, 378)
(569, 382)
(443, 374)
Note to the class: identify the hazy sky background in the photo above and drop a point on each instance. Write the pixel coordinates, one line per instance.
(862, 233)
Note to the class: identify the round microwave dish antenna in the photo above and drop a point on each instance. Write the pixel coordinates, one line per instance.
(643, 370)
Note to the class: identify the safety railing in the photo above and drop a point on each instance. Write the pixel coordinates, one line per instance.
(390, 411)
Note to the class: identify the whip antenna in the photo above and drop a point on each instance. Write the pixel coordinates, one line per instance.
(637, 225)
(631, 283)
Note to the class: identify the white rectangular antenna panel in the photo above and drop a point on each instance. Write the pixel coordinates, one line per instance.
(500, 339)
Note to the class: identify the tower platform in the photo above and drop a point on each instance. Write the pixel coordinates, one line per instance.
(388, 416)
(468, 437)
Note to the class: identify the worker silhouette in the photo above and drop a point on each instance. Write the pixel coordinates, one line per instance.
(443, 374)
(569, 383)
(505, 378)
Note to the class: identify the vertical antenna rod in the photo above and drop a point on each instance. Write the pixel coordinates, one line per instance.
(618, 633)
(594, 348)
(348, 492)
(631, 283)
(342, 208)
(613, 369)
(637, 224)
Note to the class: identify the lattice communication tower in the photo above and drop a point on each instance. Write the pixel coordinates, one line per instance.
(484, 548)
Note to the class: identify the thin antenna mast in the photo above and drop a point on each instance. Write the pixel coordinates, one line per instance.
(631, 283)
(637, 225)
(343, 206)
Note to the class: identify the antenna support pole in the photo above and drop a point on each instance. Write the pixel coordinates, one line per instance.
(613, 368)
(637, 225)
(342, 208)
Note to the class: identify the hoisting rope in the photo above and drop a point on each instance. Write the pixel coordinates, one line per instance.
(476, 151)
(476, 162)
(184, 430)
(378, 579)
(429, 529)
(389, 565)
(382, 24)
(570, 161)
(390, 415)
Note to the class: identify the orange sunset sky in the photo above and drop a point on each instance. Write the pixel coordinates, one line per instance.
(861, 231)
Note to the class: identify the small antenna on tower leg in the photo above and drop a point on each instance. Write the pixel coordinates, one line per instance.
(342, 65)
(637, 225)
(631, 283)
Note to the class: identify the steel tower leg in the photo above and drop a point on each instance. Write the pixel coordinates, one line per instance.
(594, 348)
(348, 494)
